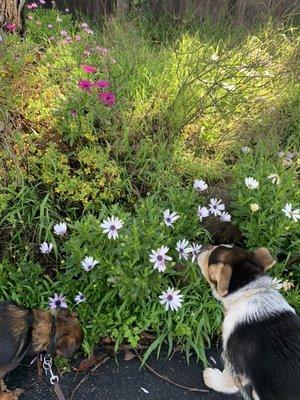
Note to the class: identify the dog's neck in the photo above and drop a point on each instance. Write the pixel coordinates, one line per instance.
(260, 285)
(41, 331)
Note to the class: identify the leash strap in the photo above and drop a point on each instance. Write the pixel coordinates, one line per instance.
(48, 362)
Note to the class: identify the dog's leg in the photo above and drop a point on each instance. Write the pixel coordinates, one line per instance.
(2, 385)
(219, 381)
(254, 395)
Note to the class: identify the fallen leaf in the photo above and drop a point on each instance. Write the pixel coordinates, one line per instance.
(146, 335)
(89, 362)
(128, 355)
(107, 340)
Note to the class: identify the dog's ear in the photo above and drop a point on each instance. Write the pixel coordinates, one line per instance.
(264, 257)
(64, 314)
(220, 274)
(66, 348)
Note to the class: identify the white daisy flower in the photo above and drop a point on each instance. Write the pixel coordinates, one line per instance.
(46, 248)
(170, 218)
(79, 298)
(274, 178)
(295, 214)
(200, 185)
(277, 284)
(111, 227)
(225, 217)
(214, 57)
(183, 249)
(195, 250)
(216, 207)
(289, 157)
(245, 149)
(57, 301)
(171, 299)
(202, 212)
(159, 258)
(89, 263)
(254, 207)
(60, 229)
(228, 86)
(251, 183)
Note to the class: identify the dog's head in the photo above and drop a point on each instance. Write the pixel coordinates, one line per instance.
(69, 334)
(228, 269)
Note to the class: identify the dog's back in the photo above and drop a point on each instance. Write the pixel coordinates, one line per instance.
(267, 352)
(15, 335)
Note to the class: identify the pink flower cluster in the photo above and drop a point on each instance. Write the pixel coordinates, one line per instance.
(10, 27)
(107, 98)
(33, 6)
(87, 29)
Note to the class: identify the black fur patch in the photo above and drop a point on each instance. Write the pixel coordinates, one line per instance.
(267, 352)
(13, 347)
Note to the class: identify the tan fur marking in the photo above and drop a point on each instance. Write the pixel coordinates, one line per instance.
(264, 257)
(221, 274)
(18, 320)
(41, 331)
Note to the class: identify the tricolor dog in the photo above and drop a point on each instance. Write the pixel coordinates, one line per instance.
(261, 331)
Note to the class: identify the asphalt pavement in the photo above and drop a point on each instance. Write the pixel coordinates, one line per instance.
(126, 380)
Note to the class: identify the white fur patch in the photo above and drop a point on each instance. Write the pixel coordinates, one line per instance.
(219, 381)
(254, 302)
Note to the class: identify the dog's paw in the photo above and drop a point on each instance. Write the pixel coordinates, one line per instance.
(212, 378)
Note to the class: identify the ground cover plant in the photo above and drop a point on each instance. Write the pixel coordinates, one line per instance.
(112, 138)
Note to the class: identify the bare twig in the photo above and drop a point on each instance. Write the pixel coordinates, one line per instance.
(189, 389)
(103, 361)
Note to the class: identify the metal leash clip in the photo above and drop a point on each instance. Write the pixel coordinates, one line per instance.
(47, 365)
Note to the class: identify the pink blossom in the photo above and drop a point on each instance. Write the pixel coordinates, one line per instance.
(87, 52)
(50, 26)
(107, 98)
(89, 69)
(32, 6)
(11, 27)
(102, 50)
(84, 25)
(85, 85)
(101, 84)
(73, 112)
(89, 31)
(42, 1)
(30, 17)
(63, 33)
(78, 38)
(67, 10)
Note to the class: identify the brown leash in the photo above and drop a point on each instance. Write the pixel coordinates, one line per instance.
(48, 363)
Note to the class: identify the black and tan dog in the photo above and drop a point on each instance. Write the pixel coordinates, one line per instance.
(261, 331)
(24, 332)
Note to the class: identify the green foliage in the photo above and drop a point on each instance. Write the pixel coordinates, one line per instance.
(187, 97)
(268, 226)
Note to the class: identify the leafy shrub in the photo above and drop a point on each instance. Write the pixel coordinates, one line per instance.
(186, 98)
